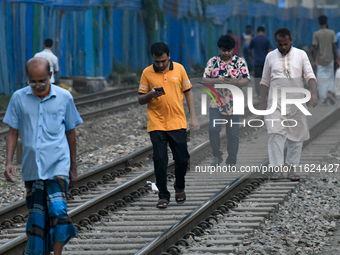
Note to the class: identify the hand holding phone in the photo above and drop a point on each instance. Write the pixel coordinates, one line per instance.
(159, 89)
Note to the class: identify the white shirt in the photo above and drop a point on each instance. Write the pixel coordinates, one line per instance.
(52, 59)
(297, 66)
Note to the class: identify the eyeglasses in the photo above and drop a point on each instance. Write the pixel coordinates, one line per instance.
(34, 84)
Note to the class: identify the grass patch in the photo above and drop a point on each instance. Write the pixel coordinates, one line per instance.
(5, 185)
(4, 100)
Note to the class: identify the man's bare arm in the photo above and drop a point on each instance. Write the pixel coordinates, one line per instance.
(336, 54)
(146, 98)
(193, 124)
(314, 96)
(71, 139)
(10, 148)
(263, 95)
(225, 80)
(314, 53)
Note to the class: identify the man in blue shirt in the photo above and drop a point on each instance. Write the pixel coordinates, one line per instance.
(46, 117)
(338, 41)
(261, 46)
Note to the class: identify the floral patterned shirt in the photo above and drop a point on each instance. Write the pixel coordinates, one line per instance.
(236, 68)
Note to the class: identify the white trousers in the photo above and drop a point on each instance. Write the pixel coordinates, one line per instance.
(276, 146)
(326, 80)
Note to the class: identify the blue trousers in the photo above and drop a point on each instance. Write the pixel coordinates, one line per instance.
(231, 131)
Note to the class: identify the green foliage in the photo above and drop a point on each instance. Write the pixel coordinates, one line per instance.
(130, 80)
(108, 12)
(4, 100)
(198, 68)
(120, 68)
(151, 15)
(5, 185)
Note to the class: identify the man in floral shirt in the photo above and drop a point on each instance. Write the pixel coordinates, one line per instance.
(226, 68)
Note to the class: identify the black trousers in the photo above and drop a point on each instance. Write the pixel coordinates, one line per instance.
(177, 140)
(258, 75)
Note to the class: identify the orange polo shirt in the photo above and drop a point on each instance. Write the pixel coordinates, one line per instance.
(166, 112)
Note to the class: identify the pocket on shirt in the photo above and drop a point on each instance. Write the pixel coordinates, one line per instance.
(53, 123)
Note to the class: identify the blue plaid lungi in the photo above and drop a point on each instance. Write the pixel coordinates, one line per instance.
(48, 220)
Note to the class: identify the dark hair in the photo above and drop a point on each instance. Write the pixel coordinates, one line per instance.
(261, 29)
(227, 42)
(159, 48)
(322, 20)
(229, 31)
(48, 43)
(283, 32)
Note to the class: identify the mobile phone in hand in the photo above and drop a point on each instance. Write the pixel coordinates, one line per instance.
(159, 89)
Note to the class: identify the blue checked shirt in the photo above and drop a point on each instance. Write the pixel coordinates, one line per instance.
(42, 125)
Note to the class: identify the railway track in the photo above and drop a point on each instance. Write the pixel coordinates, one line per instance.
(100, 217)
(102, 101)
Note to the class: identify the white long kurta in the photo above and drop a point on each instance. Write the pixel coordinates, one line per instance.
(298, 66)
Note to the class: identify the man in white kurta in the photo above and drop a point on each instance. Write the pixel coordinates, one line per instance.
(286, 66)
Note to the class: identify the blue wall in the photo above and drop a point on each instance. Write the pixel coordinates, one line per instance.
(88, 43)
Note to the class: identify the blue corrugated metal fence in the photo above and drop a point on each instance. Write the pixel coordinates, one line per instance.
(90, 40)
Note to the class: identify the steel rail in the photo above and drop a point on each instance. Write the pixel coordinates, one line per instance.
(103, 93)
(177, 231)
(102, 201)
(19, 207)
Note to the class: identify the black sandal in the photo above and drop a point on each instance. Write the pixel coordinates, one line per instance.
(162, 203)
(180, 197)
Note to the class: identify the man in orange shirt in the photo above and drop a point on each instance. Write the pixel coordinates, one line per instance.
(166, 118)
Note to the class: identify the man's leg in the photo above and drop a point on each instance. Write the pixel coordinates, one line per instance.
(276, 145)
(293, 158)
(160, 158)
(58, 248)
(62, 229)
(37, 227)
(258, 74)
(214, 135)
(178, 145)
(325, 75)
(232, 131)
(293, 152)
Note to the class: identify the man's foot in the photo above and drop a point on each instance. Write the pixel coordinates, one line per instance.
(162, 203)
(331, 97)
(324, 103)
(230, 164)
(293, 177)
(276, 177)
(180, 197)
(216, 161)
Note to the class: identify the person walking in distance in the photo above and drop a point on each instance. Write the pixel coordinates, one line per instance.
(226, 68)
(286, 67)
(258, 50)
(324, 51)
(237, 49)
(245, 40)
(162, 87)
(51, 58)
(46, 117)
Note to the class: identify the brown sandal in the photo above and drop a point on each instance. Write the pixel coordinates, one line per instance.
(293, 177)
(276, 177)
(180, 197)
(162, 203)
